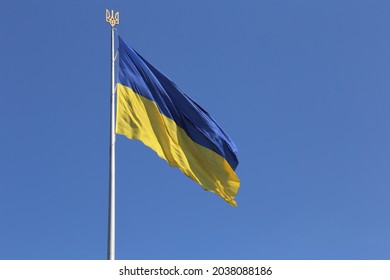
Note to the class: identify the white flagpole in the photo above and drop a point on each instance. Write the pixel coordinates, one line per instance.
(113, 20)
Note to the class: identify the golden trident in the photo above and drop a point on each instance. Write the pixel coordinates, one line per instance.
(111, 18)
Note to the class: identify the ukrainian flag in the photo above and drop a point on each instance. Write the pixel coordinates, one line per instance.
(152, 109)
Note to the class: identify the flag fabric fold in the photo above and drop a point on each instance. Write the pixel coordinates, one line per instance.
(152, 109)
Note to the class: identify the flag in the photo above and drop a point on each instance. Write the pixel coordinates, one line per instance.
(152, 109)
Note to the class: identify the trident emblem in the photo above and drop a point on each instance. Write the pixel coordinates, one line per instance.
(111, 18)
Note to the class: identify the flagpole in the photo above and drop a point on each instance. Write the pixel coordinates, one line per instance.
(112, 20)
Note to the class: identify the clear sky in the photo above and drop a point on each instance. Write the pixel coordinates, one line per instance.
(302, 87)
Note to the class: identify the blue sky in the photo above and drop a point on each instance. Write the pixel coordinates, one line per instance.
(302, 87)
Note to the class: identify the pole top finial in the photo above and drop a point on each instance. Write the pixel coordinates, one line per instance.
(111, 18)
